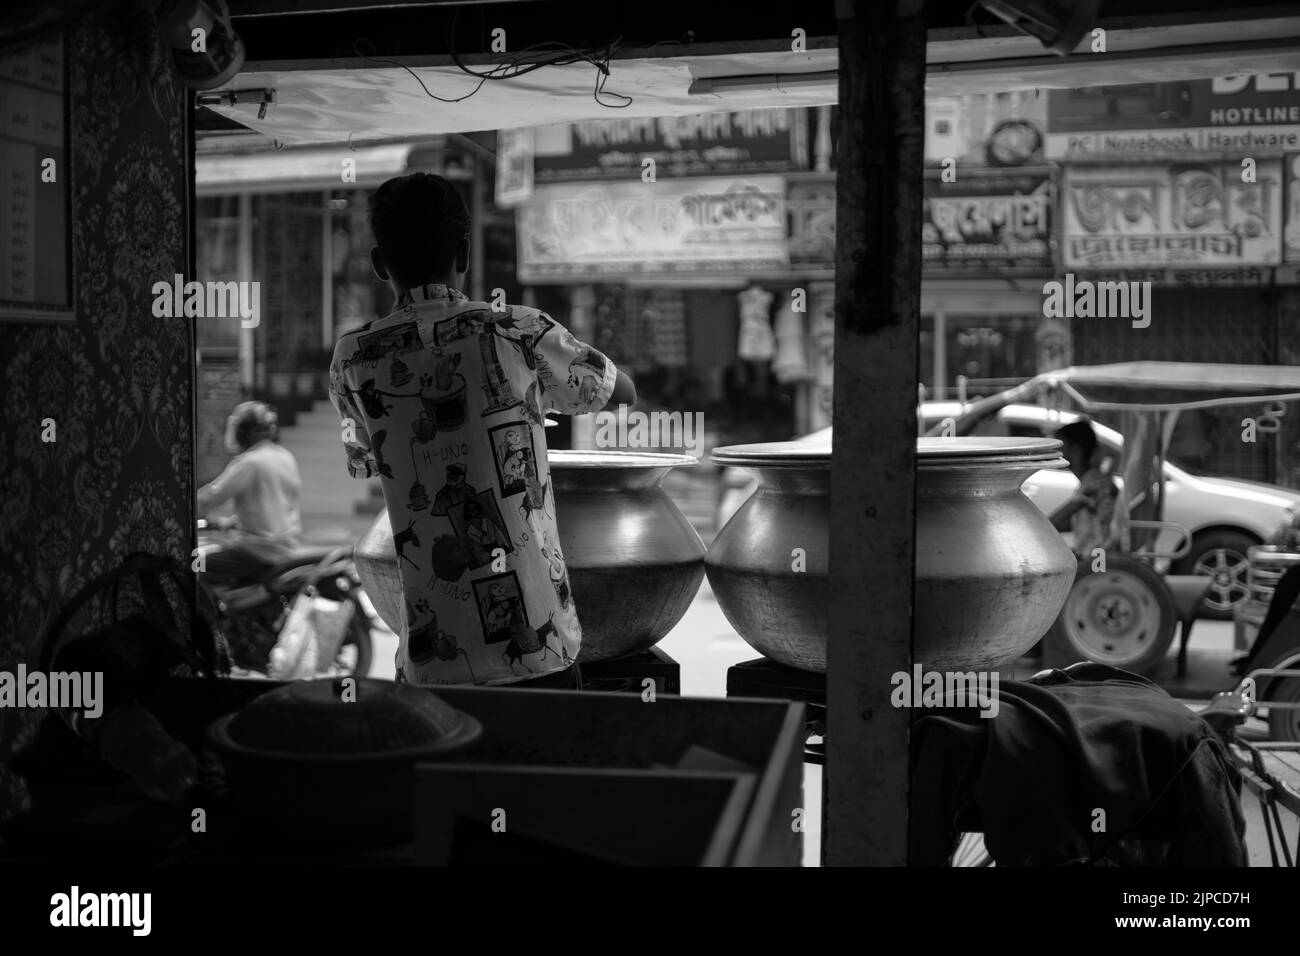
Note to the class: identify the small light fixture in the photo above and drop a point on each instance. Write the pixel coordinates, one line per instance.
(205, 48)
(1059, 24)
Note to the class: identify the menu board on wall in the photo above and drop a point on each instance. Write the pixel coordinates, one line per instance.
(988, 221)
(35, 166)
(682, 226)
(1179, 214)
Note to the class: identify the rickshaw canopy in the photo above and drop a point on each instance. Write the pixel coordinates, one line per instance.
(1150, 395)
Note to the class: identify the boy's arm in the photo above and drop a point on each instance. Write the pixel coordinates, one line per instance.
(574, 377)
(624, 391)
(362, 462)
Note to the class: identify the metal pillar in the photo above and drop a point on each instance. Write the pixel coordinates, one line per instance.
(873, 474)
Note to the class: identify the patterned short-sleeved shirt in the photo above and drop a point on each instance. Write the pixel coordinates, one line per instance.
(446, 401)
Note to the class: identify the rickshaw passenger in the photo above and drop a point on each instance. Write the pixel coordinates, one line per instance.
(1091, 510)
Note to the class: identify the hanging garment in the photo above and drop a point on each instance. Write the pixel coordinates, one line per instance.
(756, 341)
(791, 361)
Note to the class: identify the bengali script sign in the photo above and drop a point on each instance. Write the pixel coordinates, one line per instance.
(757, 140)
(1184, 214)
(988, 222)
(688, 226)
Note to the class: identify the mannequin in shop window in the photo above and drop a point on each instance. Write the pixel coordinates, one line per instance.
(757, 342)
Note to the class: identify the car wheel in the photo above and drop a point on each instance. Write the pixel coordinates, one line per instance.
(1123, 616)
(1221, 555)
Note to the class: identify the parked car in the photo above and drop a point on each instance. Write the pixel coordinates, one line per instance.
(1225, 516)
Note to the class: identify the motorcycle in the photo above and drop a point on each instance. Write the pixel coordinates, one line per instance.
(316, 589)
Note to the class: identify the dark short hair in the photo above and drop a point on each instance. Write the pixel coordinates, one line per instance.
(417, 221)
(1079, 433)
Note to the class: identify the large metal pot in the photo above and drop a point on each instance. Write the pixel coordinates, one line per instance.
(991, 571)
(635, 563)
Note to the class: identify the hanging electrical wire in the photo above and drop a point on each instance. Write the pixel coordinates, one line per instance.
(520, 63)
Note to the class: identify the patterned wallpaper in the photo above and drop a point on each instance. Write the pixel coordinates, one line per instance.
(118, 381)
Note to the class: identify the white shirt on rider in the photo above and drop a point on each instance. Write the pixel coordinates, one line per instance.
(265, 486)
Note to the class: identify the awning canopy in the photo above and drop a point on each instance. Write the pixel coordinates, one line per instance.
(1175, 386)
(1153, 387)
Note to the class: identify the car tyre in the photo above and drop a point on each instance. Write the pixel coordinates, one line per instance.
(1222, 555)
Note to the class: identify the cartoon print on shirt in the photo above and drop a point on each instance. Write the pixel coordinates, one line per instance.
(538, 641)
(429, 642)
(463, 326)
(500, 601)
(423, 431)
(448, 406)
(451, 557)
(496, 386)
(372, 399)
(385, 469)
(558, 572)
(406, 536)
(394, 340)
(399, 374)
(512, 449)
(532, 407)
(456, 490)
(479, 524)
(533, 502)
(418, 498)
(586, 373)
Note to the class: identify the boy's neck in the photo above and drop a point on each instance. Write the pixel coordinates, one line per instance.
(450, 281)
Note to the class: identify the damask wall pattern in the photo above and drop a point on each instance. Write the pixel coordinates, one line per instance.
(118, 382)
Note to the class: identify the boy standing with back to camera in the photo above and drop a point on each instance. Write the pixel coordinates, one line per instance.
(444, 399)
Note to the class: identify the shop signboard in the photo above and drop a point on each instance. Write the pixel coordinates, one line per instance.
(757, 140)
(1175, 215)
(987, 221)
(672, 227)
(514, 181)
(1244, 115)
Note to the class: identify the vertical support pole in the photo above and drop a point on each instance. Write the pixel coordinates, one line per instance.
(326, 272)
(873, 472)
(247, 369)
(940, 355)
(477, 283)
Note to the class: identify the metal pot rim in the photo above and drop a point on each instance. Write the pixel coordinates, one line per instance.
(566, 458)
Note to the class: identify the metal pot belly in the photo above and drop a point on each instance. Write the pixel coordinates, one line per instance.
(634, 561)
(991, 571)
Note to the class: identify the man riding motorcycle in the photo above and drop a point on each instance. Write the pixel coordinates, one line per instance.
(263, 481)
